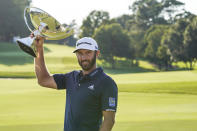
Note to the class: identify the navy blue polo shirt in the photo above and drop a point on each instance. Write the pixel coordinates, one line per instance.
(86, 97)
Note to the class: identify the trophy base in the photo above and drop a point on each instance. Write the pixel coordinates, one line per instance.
(26, 44)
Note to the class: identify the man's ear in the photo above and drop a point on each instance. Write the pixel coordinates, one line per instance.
(97, 53)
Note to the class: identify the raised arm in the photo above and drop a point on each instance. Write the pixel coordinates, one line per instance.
(43, 76)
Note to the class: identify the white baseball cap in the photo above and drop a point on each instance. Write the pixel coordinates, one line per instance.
(87, 43)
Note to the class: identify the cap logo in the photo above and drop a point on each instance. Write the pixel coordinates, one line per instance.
(84, 43)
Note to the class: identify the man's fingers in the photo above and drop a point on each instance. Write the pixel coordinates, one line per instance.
(40, 38)
(37, 37)
(32, 35)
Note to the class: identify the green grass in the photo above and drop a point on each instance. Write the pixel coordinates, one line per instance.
(26, 106)
(156, 112)
(171, 88)
(183, 65)
(148, 100)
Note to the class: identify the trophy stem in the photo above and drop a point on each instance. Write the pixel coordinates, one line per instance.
(27, 45)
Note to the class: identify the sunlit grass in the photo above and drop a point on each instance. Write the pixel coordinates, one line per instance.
(27, 106)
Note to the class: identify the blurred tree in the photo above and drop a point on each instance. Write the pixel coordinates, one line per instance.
(12, 19)
(125, 21)
(137, 40)
(113, 41)
(149, 12)
(163, 57)
(92, 22)
(172, 8)
(153, 40)
(190, 42)
(173, 38)
(145, 14)
(183, 15)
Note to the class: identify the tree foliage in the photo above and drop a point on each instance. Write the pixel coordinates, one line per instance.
(149, 12)
(93, 21)
(125, 21)
(113, 41)
(163, 57)
(174, 38)
(12, 19)
(153, 40)
(190, 42)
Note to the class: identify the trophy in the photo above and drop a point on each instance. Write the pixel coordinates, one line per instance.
(41, 24)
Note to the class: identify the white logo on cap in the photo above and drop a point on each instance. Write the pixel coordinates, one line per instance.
(86, 43)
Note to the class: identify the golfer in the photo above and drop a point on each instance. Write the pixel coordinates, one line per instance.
(91, 95)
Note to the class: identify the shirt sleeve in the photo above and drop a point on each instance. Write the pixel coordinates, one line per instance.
(60, 80)
(109, 95)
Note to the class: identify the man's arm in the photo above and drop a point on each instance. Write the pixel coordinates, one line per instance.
(42, 74)
(109, 120)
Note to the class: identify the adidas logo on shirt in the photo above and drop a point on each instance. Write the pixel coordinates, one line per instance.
(91, 87)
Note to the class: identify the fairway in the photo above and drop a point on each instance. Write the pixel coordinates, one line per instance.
(148, 100)
(27, 106)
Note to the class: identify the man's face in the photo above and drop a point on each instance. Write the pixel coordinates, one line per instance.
(86, 58)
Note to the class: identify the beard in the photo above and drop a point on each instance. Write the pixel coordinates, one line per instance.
(88, 64)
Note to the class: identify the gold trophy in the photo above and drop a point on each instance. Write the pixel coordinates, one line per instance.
(42, 24)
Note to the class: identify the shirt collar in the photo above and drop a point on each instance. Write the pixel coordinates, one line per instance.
(91, 75)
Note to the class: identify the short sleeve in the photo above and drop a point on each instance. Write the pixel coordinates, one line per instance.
(60, 80)
(109, 95)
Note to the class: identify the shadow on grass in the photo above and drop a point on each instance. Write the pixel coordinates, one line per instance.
(11, 54)
(129, 70)
(17, 74)
(140, 70)
(124, 67)
(15, 60)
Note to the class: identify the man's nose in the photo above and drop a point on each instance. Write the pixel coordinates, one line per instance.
(83, 57)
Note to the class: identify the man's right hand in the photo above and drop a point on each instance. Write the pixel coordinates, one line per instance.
(39, 40)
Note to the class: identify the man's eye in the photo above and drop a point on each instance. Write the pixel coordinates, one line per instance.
(78, 53)
(88, 52)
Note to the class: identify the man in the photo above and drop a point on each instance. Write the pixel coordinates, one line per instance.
(90, 94)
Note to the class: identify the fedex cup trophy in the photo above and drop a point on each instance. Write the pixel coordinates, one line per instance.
(41, 24)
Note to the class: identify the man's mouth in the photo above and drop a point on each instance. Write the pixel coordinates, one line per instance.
(84, 62)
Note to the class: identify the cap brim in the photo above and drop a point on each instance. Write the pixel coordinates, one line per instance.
(75, 51)
(82, 49)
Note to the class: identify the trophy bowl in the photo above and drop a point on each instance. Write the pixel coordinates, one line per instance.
(42, 24)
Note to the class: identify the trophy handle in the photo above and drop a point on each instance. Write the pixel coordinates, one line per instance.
(27, 45)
